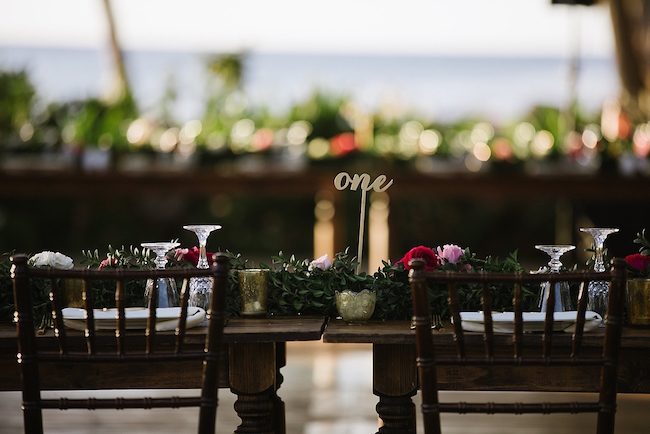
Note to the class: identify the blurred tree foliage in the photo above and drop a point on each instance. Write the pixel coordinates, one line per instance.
(16, 96)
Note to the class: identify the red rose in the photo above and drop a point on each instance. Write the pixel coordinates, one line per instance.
(638, 261)
(420, 252)
(192, 255)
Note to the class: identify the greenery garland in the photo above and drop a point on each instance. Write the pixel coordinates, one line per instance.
(295, 287)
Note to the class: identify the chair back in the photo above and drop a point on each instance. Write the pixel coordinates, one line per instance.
(542, 357)
(120, 345)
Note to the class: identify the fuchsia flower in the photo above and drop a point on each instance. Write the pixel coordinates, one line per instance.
(638, 261)
(421, 252)
(450, 253)
(108, 262)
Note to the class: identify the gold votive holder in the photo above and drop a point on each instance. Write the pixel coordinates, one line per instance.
(638, 302)
(254, 289)
(355, 307)
(72, 293)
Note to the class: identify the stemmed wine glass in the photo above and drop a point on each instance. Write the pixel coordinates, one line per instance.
(167, 293)
(599, 290)
(562, 293)
(201, 287)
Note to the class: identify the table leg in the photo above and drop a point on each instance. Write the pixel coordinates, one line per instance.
(252, 379)
(395, 381)
(279, 423)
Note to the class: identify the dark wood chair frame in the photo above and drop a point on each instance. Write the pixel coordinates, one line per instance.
(30, 356)
(427, 360)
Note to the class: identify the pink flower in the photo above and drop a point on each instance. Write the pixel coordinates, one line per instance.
(108, 262)
(638, 261)
(324, 262)
(420, 252)
(451, 253)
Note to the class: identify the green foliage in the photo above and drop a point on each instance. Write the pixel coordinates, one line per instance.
(295, 288)
(394, 299)
(133, 258)
(6, 289)
(229, 68)
(323, 113)
(233, 300)
(393, 291)
(98, 123)
(118, 258)
(40, 292)
(16, 95)
(643, 241)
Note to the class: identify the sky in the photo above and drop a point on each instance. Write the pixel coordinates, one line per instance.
(530, 28)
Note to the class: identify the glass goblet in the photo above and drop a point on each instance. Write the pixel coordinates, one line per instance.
(167, 293)
(563, 300)
(201, 287)
(599, 290)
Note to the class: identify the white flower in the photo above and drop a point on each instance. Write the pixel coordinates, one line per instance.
(51, 259)
(324, 262)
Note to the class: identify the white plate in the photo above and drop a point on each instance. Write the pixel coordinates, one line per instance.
(533, 321)
(136, 318)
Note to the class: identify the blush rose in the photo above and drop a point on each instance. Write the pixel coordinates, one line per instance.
(324, 262)
(450, 253)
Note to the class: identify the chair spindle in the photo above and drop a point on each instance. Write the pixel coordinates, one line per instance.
(180, 331)
(518, 335)
(150, 332)
(57, 317)
(454, 306)
(488, 336)
(89, 305)
(120, 331)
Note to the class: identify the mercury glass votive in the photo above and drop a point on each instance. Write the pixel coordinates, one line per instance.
(253, 287)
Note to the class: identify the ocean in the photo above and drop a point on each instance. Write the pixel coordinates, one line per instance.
(441, 89)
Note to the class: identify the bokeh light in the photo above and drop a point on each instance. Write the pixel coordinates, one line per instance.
(542, 144)
(430, 141)
(318, 148)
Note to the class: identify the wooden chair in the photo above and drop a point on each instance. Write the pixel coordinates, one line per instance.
(31, 355)
(539, 356)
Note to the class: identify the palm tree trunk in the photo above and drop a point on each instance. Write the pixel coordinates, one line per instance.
(631, 22)
(123, 88)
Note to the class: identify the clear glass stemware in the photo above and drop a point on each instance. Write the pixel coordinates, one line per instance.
(563, 300)
(167, 292)
(201, 287)
(599, 290)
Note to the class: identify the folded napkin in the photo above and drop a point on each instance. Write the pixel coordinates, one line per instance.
(136, 318)
(503, 323)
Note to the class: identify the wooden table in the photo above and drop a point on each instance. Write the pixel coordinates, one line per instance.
(254, 350)
(395, 378)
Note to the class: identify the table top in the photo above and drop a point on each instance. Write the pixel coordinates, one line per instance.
(237, 330)
(386, 335)
(399, 332)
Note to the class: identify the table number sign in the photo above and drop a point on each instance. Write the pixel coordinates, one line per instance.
(343, 180)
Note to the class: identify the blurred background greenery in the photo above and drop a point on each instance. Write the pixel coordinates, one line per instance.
(587, 169)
